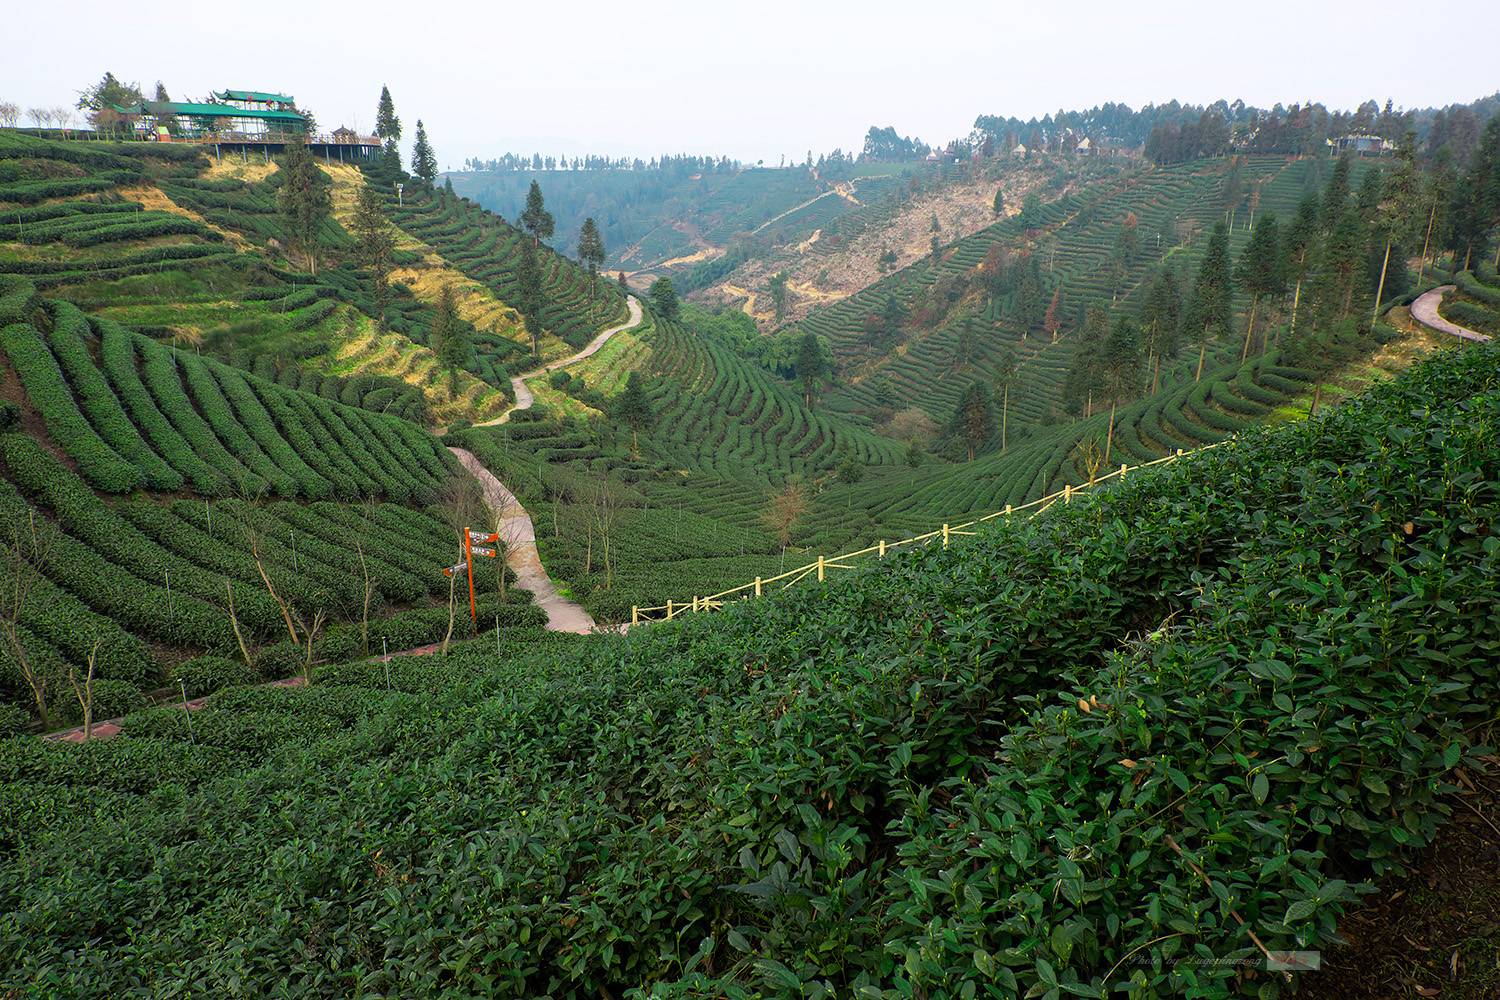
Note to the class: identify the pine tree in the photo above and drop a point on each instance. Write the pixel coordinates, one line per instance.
(1006, 373)
(850, 471)
(633, 406)
(304, 200)
(1299, 246)
(1485, 179)
(535, 218)
(1371, 188)
(1335, 196)
(1160, 314)
(449, 342)
(1400, 214)
(998, 205)
(423, 162)
(1029, 308)
(913, 453)
(777, 286)
(1260, 269)
(1208, 309)
(387, 125)
(664, 300)
(1052, 322)
(967, 341)
(1121, 371)
(1341, 273)
(591, 251)
(102, 98)
(810, 367)
(973, 422)
(529, 280)
(388, 129)
(1085, 378)
(375, 244)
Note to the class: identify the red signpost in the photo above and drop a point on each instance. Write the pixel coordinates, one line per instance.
(470, 551)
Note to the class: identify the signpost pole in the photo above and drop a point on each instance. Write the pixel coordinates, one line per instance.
(469, 558)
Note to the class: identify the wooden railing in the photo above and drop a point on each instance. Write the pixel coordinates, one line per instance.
(280, 138)
(947, 532)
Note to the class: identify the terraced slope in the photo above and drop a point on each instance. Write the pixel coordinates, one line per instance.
(160, 506)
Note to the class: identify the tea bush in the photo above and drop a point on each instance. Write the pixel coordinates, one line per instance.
(207, 674)
(1064, 758)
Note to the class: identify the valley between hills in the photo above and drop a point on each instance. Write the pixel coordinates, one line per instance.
(1060, 731)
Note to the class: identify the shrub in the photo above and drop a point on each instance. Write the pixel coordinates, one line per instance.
(207, 674)
(112, 700)
(284, 659)
(310, 349)
(48, 391)
(14, 720)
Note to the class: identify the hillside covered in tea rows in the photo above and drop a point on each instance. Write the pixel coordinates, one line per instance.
(1073, 755)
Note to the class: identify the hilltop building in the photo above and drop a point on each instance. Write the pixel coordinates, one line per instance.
(242, 119)
(1362, 143)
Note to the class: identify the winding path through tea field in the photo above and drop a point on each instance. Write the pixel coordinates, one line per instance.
(524, 398)
(1425, 311)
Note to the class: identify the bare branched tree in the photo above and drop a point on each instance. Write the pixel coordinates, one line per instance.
(312, 627)
(254, 536)
(367, 524)
(27, 547)
(787, 508)
(606, 504)
(234, 620)
(86, 692)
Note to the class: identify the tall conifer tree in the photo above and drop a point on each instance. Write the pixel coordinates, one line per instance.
(591, 251)
(1208, 309)
(304, 200)
(634, 407)
(810, 367)
(1260, 269)
(1006, 374)
(375, 243)
(529, 278)
(423, 162)
(388, 129)
(535, 218)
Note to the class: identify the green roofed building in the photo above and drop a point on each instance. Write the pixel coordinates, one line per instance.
(227, 121)
(248, 97)
(240, 118)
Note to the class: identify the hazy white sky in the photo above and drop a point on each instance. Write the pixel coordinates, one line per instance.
(753, 81)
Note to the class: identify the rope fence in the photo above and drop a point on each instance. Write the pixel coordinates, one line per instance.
(759, 586)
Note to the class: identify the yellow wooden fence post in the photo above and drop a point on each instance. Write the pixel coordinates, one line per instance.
(1123, 469)
(1067, 493)
(669, 609)
(945, 536)
(820, 569)
(882, 548)
(757, 586)
(1007, 510)
(635, 615)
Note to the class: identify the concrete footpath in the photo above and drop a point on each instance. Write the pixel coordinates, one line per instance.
(519, 536)
(1425, 311)
(524, 399)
